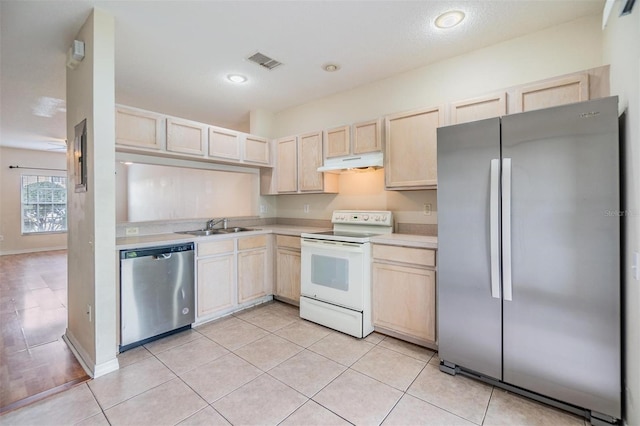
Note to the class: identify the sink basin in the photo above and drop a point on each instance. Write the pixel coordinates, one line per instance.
(205, 232)
(236, 229)
(201, 232)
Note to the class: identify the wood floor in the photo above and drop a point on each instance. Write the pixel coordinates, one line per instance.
(34, 360)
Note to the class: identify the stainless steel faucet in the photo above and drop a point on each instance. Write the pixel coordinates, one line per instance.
(213, 222)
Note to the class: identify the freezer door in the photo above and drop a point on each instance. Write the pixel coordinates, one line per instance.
(469, 311)
(562, 326)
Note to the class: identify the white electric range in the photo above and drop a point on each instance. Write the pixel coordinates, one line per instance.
(335, 276)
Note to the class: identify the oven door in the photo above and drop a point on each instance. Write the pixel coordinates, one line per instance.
(334, 272)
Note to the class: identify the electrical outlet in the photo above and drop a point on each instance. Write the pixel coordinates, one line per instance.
(263, 208)
(132, 231)
(426, 209)
(305, 208)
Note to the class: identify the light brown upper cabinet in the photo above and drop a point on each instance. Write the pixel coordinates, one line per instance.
(488, 106)
(367, 136)
(287, 164)
(257, 150)
(296, 170)
(309, 159)
(553, 92)
(410, 149)
(238, 147)
(224, 143)
(359, 138)
(139, 129)
(338, 141)
(186, 137)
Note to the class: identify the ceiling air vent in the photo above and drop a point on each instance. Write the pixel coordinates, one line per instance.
(264, 61)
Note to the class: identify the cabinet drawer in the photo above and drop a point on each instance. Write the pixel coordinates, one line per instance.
(252, 242)
(286, 241)
(215, 247)
(416, 256)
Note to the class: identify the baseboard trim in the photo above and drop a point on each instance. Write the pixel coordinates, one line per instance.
(90, 367)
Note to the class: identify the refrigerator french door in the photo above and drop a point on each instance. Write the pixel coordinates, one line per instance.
(529, 253)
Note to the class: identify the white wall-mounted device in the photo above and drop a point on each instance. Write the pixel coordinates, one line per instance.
(75, 54)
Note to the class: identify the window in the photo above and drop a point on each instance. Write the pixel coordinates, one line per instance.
(44, 204)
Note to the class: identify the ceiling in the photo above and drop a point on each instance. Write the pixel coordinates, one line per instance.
(173, 56)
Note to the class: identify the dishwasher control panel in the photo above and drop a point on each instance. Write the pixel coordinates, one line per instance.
(134, 253)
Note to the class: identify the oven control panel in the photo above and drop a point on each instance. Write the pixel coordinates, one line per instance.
(382, 218)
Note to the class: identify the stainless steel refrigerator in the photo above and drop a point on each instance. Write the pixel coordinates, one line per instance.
(529, 254)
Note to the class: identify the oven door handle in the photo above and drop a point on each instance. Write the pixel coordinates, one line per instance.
(332, 245)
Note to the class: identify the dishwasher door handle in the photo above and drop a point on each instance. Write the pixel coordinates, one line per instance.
(162, 256)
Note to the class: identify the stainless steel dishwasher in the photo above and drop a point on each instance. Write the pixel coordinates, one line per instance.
(156, 293)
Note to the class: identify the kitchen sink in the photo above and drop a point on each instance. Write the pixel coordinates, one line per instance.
(236, 229)
(201, 232)
(205, 232)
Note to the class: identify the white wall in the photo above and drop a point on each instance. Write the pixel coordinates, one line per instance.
(361, 191)
(168, 193)
(12, 240)
(555, 51)
(564, 49)
(622, 51)
(92, 308)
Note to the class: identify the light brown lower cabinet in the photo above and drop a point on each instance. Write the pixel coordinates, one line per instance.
(216, 277)
(288, 269)
(404, 293)
(253, 267)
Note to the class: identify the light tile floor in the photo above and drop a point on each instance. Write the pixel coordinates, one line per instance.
(266, 366)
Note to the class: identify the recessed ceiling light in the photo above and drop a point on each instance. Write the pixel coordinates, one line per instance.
(331, 67)
(449, 19)
(236, 78)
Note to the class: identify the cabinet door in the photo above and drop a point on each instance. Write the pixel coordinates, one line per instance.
(404, 300)
(367, 137)
(185, 137)
(224, 143)
(215, 284)
(287, 164)
(410, 149)
(309, 159)
(489, 106)
(252, 274)
(288, 274)
(256, 150)
(560, 91)
(338, 142)
(139, 129)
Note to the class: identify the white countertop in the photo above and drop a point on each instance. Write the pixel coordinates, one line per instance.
(141, 241)
(407, 240)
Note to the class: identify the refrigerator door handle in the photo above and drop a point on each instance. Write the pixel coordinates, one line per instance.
(494, 228)
(506, 229)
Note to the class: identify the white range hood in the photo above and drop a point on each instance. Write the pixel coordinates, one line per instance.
(361, 161)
